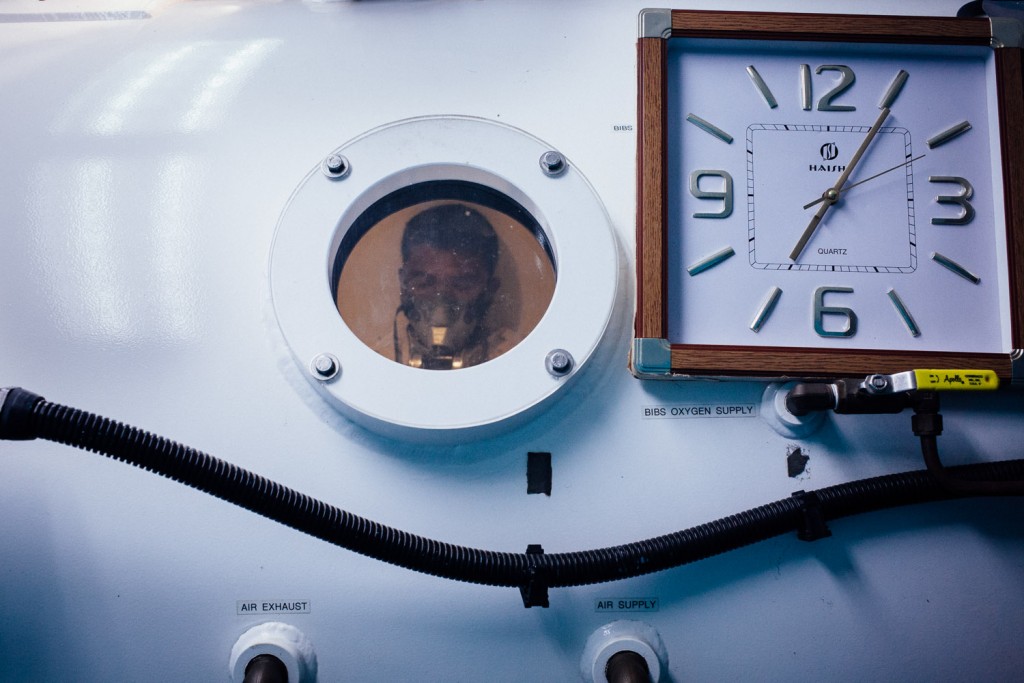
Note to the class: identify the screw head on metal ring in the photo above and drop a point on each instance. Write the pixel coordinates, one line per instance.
(553, 163)
(325, 366)
(559, 362)
(336, 166)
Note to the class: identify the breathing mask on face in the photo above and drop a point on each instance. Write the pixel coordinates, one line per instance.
(441, 330)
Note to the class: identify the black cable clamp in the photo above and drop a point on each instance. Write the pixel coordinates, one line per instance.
(535, 590)
(812, 517)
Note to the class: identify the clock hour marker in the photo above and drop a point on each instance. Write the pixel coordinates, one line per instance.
(709, 128)
(901, 308)
(725, 196)
(710, 261)
(955, 267)
(805, 87)
(948, 134)
(762, 87)
(963, 200)
(846, 79)
(767, 306)
(894, 90)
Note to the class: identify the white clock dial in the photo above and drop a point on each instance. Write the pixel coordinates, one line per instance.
(909, 252)
(875, 234)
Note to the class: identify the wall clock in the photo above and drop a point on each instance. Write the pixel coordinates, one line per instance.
(824, 195)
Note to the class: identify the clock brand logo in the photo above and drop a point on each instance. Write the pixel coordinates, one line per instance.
(829, 151)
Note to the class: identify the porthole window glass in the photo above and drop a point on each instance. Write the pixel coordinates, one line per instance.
(443, 275)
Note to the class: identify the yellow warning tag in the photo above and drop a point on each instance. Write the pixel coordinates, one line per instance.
(956, 380)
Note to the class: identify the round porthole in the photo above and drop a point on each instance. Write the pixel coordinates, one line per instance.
(443, 275)
(436, 278)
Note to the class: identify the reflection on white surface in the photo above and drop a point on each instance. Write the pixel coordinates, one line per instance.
(117, 251)
(117, 237)
(173, 285)
(218, 90)
(111, 119)
(187, 88)
(91, 286)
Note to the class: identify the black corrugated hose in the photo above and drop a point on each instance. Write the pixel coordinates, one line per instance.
(24, 415)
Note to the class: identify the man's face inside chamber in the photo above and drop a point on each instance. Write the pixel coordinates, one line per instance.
(449, 254)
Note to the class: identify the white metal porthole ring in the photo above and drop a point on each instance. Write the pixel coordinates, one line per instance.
(491, 169)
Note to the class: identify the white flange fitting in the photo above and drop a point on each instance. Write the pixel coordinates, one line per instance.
(283, 641)
(776, 414)
(619, 636)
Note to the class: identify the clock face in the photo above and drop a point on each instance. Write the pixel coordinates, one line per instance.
(835, 195)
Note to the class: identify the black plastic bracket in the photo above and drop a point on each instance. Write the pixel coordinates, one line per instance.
(927, 421)
(812, 517)
(535, 591)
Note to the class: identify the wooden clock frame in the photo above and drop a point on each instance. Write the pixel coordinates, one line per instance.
(652, 354)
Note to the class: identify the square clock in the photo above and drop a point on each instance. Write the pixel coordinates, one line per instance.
(828, 195)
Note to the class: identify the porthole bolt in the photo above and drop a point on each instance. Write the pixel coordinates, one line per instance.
(559, 362)
(553, 163)
(325, 366)
(336, 166)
